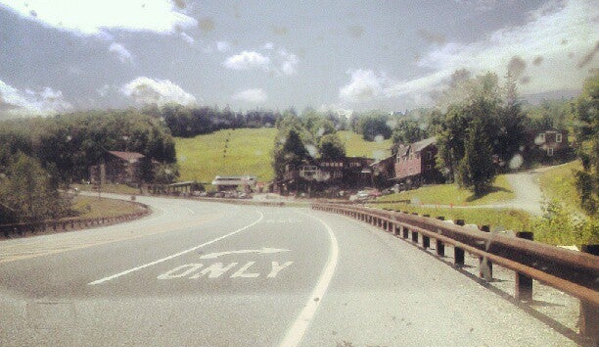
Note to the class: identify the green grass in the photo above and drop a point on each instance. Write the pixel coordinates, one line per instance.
(451, 194)
(92, 207)
(249, 152)
(497, 219)
(355, 146)
(559, 183)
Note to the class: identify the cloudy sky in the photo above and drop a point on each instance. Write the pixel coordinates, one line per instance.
(63, 55)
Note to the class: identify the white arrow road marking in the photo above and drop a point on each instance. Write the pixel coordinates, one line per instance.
(264, 250)
(177, 254)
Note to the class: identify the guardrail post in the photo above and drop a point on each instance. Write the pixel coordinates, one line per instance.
(523, 282)
(426, 241)
(485, 267)
(458, 253)
(589, 313)
(440, 245)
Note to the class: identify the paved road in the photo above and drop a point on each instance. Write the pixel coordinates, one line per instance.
(209, 274)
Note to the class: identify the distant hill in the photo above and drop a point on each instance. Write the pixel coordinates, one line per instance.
(248, 151)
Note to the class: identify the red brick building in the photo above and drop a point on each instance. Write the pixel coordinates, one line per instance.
(415, 163)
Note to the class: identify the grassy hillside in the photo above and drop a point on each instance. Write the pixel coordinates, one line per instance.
(355, 146)
(248, 152)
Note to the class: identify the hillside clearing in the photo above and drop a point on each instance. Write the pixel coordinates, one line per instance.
(226, 153)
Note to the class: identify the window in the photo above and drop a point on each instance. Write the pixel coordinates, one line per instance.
(541, 138)
(550, 152)
(429, 155)
(558, 137)
(429, 167)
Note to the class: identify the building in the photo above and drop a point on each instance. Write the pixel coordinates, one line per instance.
(549, 146)
(225, 183)
(415, 163)
(117, 167)
(320, 174)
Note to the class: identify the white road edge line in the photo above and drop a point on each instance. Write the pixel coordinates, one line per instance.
(105, 279)
(299, 327)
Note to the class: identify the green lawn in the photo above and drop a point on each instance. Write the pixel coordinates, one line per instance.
(248, 152)
(355, 146)
(448, 194)
(559, 183)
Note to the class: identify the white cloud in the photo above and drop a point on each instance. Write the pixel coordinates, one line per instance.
(30, 102)
(365, 85)
(90, 17)
(187, 38)
(144, 90)
(289, 64)
(223, 46)
(561, 33)
(269, 46)
(254, 96)
(247, 60)
(123, 53)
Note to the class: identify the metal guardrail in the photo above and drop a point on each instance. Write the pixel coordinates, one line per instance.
(18, 229)
(574, 273)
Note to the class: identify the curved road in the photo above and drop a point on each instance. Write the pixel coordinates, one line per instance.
(209, 274)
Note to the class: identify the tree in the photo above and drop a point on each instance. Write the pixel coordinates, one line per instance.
(587, 112)
(27, 191)
(289, 152)
(510, 133)
(331, 147)
(408, 131)
(373, 126)
(476, 169)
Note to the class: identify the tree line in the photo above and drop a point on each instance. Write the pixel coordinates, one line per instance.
(39, 155)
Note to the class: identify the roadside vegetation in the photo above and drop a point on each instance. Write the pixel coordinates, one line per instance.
(92, 207)
(498, 219)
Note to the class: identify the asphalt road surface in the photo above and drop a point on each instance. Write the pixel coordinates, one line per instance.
(215, 275)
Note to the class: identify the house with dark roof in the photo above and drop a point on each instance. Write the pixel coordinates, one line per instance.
(548, 146)
(415, 163)
(117, 167)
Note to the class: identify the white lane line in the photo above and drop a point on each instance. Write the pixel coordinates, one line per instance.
(190, 210)
(102, 280)
(302, 322)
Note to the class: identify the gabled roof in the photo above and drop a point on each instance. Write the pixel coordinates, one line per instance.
(402, 150)
(420, 145)
(128, 156)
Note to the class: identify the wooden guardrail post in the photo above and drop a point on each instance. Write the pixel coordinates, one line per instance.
(589, 313)
(458, 253)
(414, 232)
(523, 282)
(485, 267)
(440, 245)
(405, 232)
(426, 241)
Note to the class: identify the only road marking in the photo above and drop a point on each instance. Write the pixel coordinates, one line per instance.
(108, 278)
